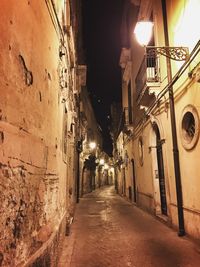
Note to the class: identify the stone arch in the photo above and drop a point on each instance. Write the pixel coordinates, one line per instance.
(158, 171)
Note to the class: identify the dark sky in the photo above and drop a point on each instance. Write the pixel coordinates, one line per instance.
(102, 45)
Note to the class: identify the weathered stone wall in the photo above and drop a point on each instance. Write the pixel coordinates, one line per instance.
(34, 185)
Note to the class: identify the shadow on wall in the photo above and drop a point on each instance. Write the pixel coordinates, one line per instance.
(43, 261)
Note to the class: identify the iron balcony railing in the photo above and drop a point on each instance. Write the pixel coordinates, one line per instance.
(148, 74)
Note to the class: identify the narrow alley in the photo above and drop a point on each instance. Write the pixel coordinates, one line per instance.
(108, 231)
(99, 133)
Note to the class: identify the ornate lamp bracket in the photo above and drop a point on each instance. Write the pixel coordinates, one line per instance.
(175, 53)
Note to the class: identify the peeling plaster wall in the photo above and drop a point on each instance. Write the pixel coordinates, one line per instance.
(33, 182)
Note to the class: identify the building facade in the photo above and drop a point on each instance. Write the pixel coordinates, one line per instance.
(91, 145)
(38, 89)
(160, 136)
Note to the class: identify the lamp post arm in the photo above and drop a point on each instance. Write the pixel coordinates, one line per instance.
(175, 53)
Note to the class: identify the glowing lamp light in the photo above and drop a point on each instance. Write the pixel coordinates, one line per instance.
(143, 32)
(92, 145)
(101, 162)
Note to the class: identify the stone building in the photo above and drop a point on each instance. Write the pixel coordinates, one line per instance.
(159, 145)
(91, 142)
(38, 128)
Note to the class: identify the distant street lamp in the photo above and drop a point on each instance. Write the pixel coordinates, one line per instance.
(92, 145)
(101, 162)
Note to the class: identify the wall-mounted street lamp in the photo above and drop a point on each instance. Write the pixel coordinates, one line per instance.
(178, 54)
(143, 33)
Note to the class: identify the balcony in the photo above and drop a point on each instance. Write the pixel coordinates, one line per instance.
(127, 121)
(148, 79)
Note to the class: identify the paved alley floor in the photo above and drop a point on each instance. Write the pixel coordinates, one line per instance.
(108, 231)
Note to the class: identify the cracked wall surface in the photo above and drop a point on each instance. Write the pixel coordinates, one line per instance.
(34, 182)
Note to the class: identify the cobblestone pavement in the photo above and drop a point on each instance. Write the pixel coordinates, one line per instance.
(110, 232)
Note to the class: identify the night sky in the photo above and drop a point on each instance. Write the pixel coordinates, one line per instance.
(102, 45)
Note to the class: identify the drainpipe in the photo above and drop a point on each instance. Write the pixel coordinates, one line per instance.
(79, 150)
(82, 180)
(78, 177)
(181, 231)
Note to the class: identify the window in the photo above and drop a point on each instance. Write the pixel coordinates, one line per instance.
(140, 150)
(189, 127)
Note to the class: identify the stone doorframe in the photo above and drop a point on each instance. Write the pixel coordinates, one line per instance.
(154, 163)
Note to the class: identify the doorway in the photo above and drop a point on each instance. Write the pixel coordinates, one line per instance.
(134, 181)
(158, 172)
(124, 182)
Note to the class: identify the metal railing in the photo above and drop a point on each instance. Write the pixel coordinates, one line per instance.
(149, 72)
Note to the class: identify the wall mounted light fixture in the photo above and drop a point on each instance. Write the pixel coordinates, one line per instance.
(143, 33)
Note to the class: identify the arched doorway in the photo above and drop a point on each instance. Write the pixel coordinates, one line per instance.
(134, 181)
(123, 182)
(158, 171)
